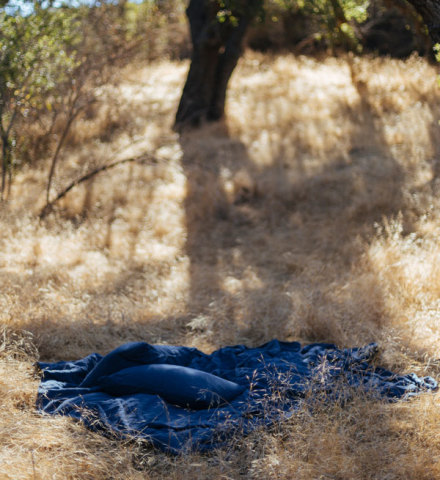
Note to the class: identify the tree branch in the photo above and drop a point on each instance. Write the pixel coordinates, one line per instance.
(144, 159)
(72, 114)
(430, 12)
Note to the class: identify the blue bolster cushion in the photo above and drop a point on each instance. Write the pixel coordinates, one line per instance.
(181, 386)
(138, 353)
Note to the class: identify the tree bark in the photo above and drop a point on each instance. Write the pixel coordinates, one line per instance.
(217, 46)
(430, 12)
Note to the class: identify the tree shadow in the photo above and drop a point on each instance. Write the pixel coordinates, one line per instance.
(225, 229)
(271, 248)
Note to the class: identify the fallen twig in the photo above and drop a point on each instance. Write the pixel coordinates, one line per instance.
(144, 159)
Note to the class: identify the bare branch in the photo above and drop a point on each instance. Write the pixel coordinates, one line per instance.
(144, 159)
(73, 113)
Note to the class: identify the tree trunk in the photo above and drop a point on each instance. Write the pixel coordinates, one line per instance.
(430, 12)
(217, 46)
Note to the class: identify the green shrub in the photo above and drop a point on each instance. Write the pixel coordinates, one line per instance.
(37, 55)
(329, 23)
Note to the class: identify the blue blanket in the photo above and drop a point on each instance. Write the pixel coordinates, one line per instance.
(182, 399)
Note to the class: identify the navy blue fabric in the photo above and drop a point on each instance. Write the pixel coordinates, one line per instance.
(249, 387)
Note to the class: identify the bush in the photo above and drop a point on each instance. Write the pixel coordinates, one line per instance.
(386, 27)
(37, 55)
(301, 24)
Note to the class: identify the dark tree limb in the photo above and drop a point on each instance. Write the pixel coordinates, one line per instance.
(7, 154)
(430, 12)
(217, 46)
(144, 159)
(71, 116)
(226, 62)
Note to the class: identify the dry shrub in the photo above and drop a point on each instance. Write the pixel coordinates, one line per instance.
(310, 215)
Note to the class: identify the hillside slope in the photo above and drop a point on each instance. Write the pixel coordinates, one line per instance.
(310, 215)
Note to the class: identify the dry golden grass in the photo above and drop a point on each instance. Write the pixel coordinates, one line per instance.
(312, 214)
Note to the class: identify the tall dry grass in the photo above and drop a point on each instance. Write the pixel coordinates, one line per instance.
(311, 214)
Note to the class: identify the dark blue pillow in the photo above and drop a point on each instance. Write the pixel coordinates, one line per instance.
(182, 386)
(138, 353)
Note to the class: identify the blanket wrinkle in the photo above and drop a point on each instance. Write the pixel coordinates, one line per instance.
(181, 399)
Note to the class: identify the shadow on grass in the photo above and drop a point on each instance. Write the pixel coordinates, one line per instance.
(273, 251)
